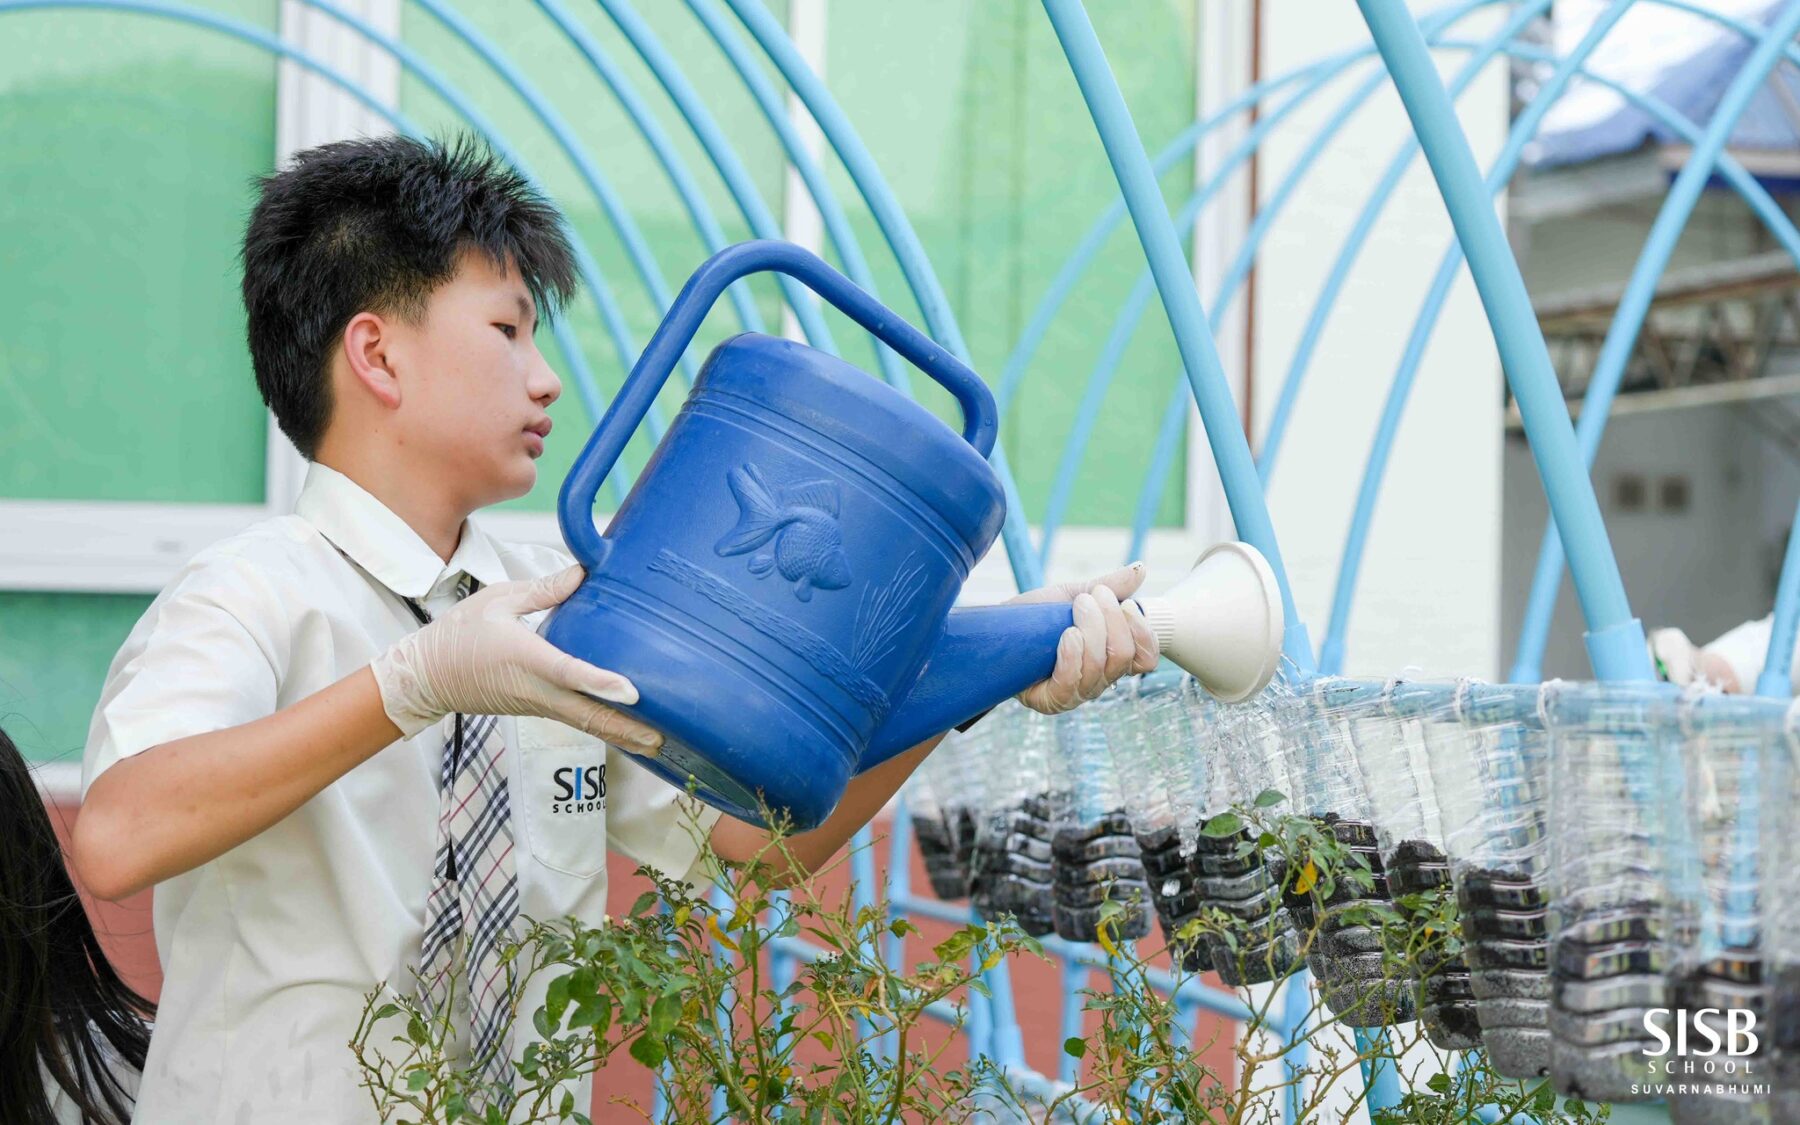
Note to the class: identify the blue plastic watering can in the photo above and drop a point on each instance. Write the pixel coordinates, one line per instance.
(779, 582)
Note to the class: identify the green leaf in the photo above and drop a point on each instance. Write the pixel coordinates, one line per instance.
(1223, 825)
(1269, 798)
(386, 1011)
(1439, 1083)
(417, 1031)
(900, 927)
(665, 1015)
(418, 1079)
(649, 1050)
(1075, 1047)
(958, 943)
(556, 1001)
(643, 904)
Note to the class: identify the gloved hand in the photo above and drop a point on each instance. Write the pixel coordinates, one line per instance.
(480, 659)
(1109, 639)
(1675, 658)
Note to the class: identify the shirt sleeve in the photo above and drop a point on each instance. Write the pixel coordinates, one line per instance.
(653, 822)
(204, 657)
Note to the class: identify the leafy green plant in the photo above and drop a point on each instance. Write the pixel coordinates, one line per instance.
(685, 988)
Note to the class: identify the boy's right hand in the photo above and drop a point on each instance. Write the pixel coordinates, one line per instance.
(480, 659)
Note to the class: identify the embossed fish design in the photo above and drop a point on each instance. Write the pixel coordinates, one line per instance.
(800, 525)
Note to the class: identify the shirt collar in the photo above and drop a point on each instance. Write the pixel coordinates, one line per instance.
(382, 543)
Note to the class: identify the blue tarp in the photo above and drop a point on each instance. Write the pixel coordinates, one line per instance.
(1683, 59)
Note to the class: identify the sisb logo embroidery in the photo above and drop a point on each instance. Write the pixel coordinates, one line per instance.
(579, 789)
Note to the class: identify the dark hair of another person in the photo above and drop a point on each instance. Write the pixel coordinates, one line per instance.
(376, 225)
(60, 999)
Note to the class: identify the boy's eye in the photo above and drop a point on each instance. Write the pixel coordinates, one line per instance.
(510, 330)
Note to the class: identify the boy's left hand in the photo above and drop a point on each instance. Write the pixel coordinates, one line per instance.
(1109, 639)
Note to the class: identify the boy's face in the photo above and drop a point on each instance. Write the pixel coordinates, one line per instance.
(476, 389)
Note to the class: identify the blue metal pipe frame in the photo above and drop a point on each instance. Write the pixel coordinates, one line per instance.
(1621, 338)
(1615, 638)
(1777, 222)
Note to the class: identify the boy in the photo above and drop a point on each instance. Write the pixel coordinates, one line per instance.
(337, 772)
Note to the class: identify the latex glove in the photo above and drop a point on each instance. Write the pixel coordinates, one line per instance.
(1675, 657)
(480, 659)
(1109, 639)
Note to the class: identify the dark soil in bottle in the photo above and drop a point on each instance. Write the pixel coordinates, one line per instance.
(943, 859)
(1094, 863)
(1010, 869)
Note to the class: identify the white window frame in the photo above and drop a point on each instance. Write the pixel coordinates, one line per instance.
(129, 547)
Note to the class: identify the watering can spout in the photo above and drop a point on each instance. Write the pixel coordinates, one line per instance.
(1222, 624)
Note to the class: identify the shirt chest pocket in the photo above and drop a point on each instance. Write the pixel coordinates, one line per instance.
(564, 774)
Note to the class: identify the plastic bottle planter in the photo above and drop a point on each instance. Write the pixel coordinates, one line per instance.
(943, 820)
(1347, 955)
(1246, 888)
(1489, 765)
(1779, 848)
(1616, 782)
(1094, 855)
(1159, 755)
(1394, 755)
(1720, 962)
(1010, 866)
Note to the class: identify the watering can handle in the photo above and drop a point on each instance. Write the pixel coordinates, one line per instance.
(575, 504)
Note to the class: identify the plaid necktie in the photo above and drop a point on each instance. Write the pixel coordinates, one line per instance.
(474, 900)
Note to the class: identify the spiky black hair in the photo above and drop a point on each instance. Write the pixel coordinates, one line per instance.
(376, 225)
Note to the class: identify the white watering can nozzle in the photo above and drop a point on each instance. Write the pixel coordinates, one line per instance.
(1223, 622)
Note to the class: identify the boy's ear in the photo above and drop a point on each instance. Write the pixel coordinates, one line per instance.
(368, 341)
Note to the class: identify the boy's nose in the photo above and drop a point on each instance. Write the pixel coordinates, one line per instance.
(544, 385)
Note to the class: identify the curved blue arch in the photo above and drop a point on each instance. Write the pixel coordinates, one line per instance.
(837, 225)
(586, 387)
(1332, 648)
(661, 147)
(720, 151)
(901, 238)
(1069, 274)
(1615, 638)
(1151, 494)
(1125, 324)
(637, 250)
(1634, 305)
(1175, 282)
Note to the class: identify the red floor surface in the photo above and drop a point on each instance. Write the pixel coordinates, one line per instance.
(125, 930)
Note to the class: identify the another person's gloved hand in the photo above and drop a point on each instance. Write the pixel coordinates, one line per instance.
(480, 659)
(1109, 639)
(1675, 658)
(1680, 661)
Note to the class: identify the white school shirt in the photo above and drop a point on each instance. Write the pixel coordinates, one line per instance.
(269, 950)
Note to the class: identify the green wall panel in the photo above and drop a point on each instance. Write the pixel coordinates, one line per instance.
(972, 114)
(54, 652)
(132, 143)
